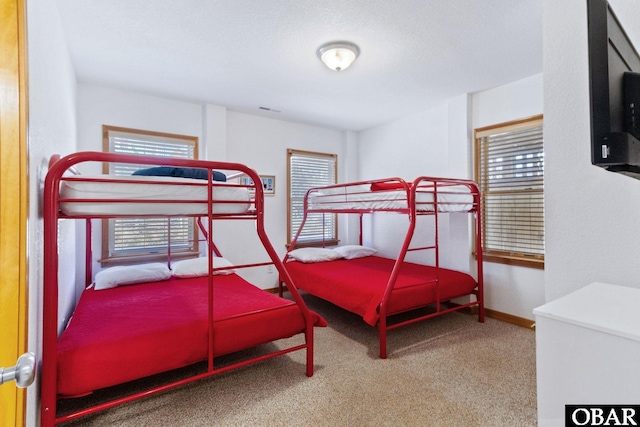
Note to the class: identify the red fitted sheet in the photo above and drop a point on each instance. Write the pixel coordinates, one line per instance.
(129, 332)
(358, 284)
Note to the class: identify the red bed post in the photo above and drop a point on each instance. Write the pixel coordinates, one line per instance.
(88, 260)
(479, 261)
(382, 322)
(50, 313)
(284, 276)
(210, 334)
(48, 376)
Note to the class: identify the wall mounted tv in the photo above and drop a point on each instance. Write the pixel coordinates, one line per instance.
(614, 79)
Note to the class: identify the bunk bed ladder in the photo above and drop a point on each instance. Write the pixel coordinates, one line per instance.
(436, 238)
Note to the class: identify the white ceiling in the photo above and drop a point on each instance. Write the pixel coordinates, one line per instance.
(246, 54)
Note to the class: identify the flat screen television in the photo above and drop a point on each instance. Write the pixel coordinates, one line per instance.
(614, 79)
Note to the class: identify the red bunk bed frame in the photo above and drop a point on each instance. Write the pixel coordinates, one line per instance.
(344, 281)
(58, 174)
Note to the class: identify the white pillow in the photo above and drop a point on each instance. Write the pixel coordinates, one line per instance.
(198, 267)
(131, 274)
(355, 251)
(314, 255)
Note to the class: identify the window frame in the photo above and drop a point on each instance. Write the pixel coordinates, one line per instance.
(333, 240)
(107, 258)
(517, 258)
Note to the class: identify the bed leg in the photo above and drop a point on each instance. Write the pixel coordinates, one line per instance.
(309, 340)
(382, 332)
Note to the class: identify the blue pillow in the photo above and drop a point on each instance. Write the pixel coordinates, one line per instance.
(195, 173)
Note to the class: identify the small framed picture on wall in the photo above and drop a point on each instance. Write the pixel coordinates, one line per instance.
(268, 183)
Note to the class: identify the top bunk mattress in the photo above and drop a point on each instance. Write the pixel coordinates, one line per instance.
(453, 199)
(148, 195)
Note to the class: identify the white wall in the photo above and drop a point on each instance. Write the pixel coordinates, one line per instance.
(99, 106)
(52, 128)
(422, 138)
(258, 142)
(591, 214)
(512, 289)
(431, 143)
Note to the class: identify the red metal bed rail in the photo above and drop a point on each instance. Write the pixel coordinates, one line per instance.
(58, 166)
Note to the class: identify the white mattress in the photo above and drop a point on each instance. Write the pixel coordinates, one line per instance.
(454, 199)
(96, 196)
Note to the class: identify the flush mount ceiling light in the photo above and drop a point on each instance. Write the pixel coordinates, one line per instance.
(338, 56)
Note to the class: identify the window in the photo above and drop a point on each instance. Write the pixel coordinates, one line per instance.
(129, 239)
(510, 173)
(308, 170)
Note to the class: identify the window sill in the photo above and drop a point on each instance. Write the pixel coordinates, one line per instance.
(146, 258)
(321, 244)
(513, 259)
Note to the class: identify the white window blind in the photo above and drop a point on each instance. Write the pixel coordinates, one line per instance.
(148, 236)
(147, 145)
(308, 170)
(511, 179)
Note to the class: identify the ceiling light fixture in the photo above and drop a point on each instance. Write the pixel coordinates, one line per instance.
(338, 56)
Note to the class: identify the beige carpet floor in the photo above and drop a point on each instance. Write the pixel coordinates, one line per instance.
(447, 371)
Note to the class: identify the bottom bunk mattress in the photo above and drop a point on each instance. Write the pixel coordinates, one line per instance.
(358, 285)
(129, 332)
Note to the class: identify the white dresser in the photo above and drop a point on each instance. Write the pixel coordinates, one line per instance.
(588, 350)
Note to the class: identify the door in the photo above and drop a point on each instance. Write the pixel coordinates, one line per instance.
(13, 204)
